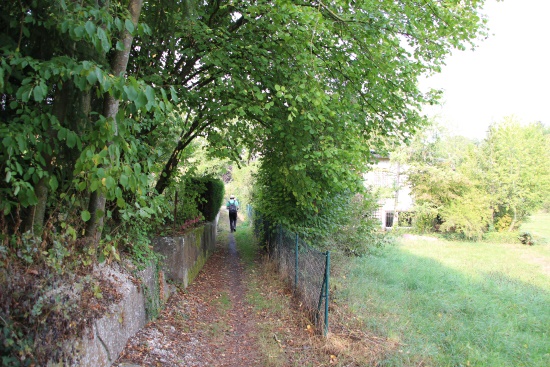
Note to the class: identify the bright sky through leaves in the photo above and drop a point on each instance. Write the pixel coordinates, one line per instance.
(507, 74)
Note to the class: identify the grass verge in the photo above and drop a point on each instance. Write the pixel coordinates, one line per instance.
(453, 303)
(285, 336)
(246, 246)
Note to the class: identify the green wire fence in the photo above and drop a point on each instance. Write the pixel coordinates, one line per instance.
(305, 268)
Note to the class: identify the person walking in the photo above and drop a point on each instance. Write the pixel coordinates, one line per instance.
(233, 208)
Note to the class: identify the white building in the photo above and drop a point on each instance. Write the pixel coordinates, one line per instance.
(389, 180)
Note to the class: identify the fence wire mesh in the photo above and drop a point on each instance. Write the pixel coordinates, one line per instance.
(305, 268)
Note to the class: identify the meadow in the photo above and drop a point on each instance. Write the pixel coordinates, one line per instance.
(444, 303)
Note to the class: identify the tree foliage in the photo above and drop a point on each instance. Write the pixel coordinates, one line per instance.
(309, 86)
(358, 89)
(516, 162)
(470, 188)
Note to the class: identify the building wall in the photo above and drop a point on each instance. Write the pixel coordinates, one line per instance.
(389, 179)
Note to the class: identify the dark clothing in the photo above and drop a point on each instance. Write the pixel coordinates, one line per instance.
(232, 206)
(233, 221)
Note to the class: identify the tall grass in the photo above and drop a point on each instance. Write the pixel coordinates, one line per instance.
(455, 304)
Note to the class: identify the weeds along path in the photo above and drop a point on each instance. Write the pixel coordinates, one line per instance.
(208, 324)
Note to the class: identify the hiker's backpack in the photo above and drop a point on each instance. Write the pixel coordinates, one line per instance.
(233, 208)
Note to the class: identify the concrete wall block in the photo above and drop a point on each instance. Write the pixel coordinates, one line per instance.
(185, 255)
(114, 329)
(101, 345)
(172, 250)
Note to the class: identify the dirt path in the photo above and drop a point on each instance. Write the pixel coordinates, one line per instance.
(236, 317)
(208, 324)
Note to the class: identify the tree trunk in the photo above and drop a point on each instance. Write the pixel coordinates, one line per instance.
(514, 220)
(196, 128)
(119, 64)
(35, 219)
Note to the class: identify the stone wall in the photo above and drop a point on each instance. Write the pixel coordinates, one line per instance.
(141, 299)
(104, 340)
(184, 256)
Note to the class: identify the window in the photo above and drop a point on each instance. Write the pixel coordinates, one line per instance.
(389, 219)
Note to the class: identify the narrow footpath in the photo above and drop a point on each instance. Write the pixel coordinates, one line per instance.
(208, 324)
(237, 316)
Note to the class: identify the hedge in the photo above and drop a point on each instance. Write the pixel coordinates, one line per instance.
(211, 198)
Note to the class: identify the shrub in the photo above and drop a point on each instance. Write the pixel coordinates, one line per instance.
(211, 196)
(526, 238)
(503, 223)
(357, 231)
(426, 218)
(470, 216)
(184, 197)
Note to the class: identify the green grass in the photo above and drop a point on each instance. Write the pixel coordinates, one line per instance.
(222, 302)
(455, 303)
(538, 225)
(244, 237)
(259, 298)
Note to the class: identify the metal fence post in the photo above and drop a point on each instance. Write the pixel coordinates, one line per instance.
(327, 276)
(296, 264)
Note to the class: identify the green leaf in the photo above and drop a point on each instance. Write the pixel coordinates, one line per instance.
(110, 182)
(53, 183)
(174, 95)
(19, 168)
(21, 143)
(90, 28)
(71, 139)
(94, 185)
(99, 75)
(24, 92)
(85, 215)
(131, 92)
(129, 26)
(79, 31)
(39, 92)
(150, 94)
(105, 44)
(92, 77)
(120, 46)
(141, 100)
(124, 180)
(62, 133)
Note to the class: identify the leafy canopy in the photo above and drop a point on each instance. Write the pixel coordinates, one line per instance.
(311, 87)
